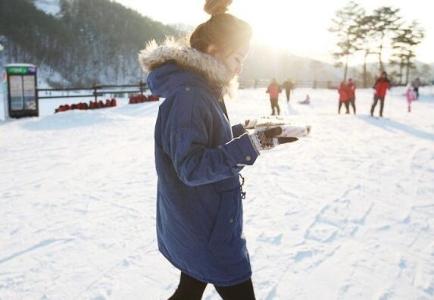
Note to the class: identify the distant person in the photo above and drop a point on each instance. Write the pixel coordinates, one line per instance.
(410, 95)
(306, 100)
(352, 94)
(288, 85)
(274, 91)
(255, 83)
(416, 84)
(344, 97)
(382, 84)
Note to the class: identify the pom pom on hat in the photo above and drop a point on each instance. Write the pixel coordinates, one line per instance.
(217, 7)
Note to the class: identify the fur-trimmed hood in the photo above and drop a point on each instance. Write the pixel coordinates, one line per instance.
(213, 71)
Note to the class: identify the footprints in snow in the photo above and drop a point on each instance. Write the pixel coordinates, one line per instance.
(340, 219)
(274, 240)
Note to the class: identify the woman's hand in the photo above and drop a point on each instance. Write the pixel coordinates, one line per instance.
(267, 138)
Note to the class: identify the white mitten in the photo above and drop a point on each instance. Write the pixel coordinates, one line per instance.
(250, 124)
(265, 138)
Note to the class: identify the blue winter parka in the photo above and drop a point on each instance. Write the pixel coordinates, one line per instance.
(198, 157)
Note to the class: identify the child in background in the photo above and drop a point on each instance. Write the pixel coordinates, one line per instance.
(411, 96)
(306, 101)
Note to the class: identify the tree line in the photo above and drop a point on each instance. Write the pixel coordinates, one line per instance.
(369, 34)
(89, 42)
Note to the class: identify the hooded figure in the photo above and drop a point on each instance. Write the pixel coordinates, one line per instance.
(199, 156)
(198, 159)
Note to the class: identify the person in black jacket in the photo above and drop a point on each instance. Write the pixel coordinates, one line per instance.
(288, 85)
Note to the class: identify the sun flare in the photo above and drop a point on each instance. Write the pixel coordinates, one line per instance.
(284, 25)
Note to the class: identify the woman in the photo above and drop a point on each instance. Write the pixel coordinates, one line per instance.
(199, 156)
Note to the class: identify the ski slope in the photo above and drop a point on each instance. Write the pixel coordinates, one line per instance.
(347, 213)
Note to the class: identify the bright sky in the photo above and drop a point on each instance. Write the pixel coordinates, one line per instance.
(300, 27)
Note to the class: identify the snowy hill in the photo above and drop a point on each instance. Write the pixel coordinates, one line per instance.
(65, 46)
(347, 213)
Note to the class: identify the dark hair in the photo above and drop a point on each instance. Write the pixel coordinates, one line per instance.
(222, 30)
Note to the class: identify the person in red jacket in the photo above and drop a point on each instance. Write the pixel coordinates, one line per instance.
(274, 90)
(352, 94)
(381, 86)
(344, 97)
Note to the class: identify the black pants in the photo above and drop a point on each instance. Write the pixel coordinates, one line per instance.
(416, 90)
(274, 105)
(376, 98)
(353, 104)
(347, 107)
(288, 95)
(192, 289)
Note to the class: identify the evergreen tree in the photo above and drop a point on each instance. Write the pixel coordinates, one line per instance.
(366, 30)
(404, 43)
(384, 22)
(345, 26)
(88, 42)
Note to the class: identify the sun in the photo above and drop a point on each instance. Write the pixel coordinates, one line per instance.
(277, 23)
(288, 25)
(270, 35)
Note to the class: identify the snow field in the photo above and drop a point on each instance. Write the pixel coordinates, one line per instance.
(347, 213)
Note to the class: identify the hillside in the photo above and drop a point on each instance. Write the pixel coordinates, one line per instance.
(51, 7)
(84, 41)
(281, 65)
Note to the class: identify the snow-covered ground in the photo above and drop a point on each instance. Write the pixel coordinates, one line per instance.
(51, 7)
(347, 213)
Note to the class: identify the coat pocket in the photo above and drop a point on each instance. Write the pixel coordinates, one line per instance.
(226, 238)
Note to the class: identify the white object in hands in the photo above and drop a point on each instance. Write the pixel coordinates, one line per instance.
(265, 138)
(287, 129)
(294, 131)
(265, 122)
